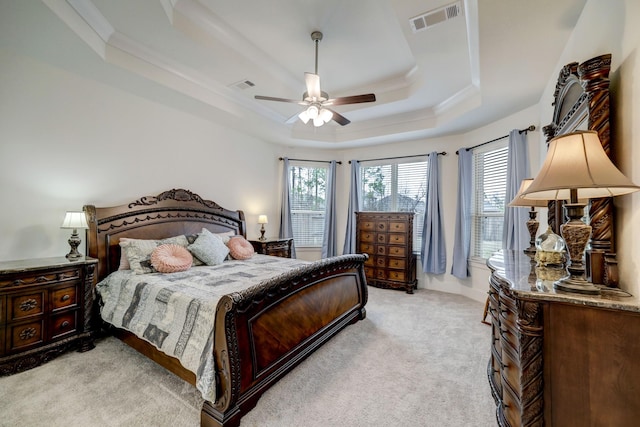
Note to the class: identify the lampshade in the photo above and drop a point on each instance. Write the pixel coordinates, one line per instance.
(519, 201)
(74, 220)
(262, 219)
(576, 161)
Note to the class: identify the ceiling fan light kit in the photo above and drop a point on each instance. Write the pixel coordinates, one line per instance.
(317, 101)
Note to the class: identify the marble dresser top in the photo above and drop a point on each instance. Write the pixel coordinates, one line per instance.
(528, 281)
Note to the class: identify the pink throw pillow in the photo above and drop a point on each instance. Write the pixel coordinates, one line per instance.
(240, 248)
(171, 258)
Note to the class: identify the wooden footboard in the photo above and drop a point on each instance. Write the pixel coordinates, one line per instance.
(262, 333)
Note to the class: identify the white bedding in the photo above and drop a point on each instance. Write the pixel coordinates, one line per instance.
(175, 311)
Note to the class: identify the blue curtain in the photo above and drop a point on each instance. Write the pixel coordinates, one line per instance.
(329, 245)
(354, 206)
(514, 232)
(433, 252)
(286, 228)
(462, 242)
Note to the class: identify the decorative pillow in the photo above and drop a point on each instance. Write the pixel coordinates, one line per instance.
(138, 251)
(240, 248)
(171, 258)
(209, 248)
(124, 262)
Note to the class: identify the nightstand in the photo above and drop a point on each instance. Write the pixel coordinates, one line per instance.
(275, 247)
(45, 309)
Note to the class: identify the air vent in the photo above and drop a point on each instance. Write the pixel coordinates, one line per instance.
(243, 84)
(434, 17)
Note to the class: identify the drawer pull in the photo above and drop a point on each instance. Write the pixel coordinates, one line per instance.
(64, 324)
(27, 333)
(28, 304)
(65, 297)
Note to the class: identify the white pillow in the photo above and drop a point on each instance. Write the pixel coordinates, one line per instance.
(209, 248)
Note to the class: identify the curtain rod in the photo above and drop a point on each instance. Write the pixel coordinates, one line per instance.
(529, 129)
(317, 161)
(442, 153)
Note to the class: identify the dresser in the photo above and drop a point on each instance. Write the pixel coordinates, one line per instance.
(387, 237)
(45, 309)
(274, 247)
(560, 359)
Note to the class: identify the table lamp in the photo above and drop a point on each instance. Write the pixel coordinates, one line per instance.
(532, 224)
(262, 220)
(577, 168)
(74, 220)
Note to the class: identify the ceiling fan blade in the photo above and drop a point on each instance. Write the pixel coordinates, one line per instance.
(313, 85)
(355, 99)
(292, 119)
(339, 118)
(271, 98)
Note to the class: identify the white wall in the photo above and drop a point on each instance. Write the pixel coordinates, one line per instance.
(67, 141)
(612, 26)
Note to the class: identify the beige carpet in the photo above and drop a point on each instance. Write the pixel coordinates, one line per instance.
(417, 360)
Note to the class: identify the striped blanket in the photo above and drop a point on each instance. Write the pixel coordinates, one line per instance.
(175, 312)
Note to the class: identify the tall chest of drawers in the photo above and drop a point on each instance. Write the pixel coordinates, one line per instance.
(45, 309)
(387, 237)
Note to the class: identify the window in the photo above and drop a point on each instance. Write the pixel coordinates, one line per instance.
(307, 191)
(488, 199)
(394, 187)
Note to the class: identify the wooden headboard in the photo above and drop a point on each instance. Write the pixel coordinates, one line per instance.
(168, 214)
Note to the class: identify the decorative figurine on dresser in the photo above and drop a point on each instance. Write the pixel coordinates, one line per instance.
(387, 237)
(45, 309)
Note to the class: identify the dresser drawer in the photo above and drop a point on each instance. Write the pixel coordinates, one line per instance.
(368, 225)
(398, 227)
(367, 248)
(510, 371)
(397, 251)
(63, 324)
(381, 226)
(399, 276)
(25, 335)
(511, 407)
(397, 263)
(369, 273)
(26, 305)
(509, 337)
(368, 237)
(397, 239)
(63, 297)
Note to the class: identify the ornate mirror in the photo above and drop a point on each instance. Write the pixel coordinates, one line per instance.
(581, 101)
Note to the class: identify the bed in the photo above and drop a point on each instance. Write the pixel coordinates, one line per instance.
(259, 333)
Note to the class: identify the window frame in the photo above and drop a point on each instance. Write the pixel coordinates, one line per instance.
(477, 249)
(299, 241)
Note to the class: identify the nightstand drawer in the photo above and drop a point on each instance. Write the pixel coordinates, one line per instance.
(63, 324)
(25, 335)
(26, 305)
(64, 297)
(41, 278)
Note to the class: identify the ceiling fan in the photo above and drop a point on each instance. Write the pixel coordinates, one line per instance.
(317, 101)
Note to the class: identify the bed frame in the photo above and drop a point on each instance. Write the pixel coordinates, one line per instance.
(260, 334)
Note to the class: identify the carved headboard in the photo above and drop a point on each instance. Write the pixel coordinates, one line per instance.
(581, 101)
